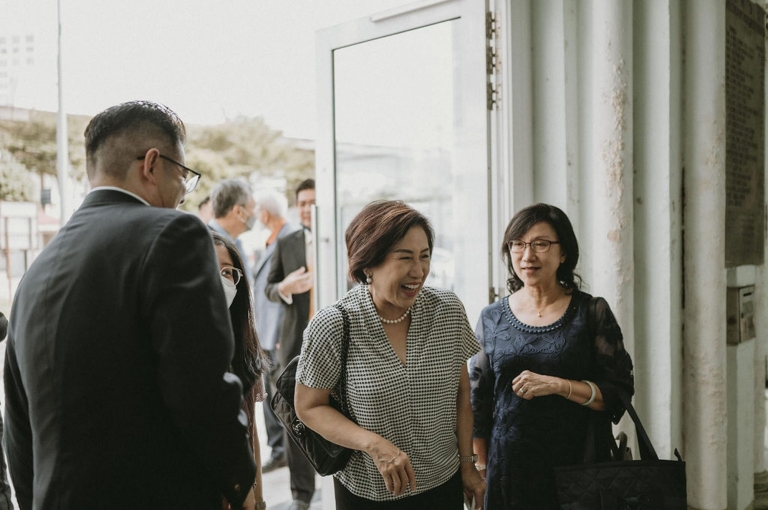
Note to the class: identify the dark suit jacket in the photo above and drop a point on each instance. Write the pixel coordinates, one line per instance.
(268, 314)
(290, 255)
(115, 372)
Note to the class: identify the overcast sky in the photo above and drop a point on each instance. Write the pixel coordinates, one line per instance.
(207, 60)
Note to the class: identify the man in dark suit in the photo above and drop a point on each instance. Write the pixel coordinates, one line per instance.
(290, 282)
(117, 391)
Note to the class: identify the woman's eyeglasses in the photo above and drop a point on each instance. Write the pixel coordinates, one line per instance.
(538, 246)
(232, 274)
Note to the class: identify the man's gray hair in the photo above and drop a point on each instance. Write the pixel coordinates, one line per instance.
(227, 194)
(273, 202)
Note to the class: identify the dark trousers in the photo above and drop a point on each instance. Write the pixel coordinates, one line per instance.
(448, 496)
(302, 473)
(275, 435)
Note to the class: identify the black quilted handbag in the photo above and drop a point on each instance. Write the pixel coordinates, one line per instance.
(326, 457)
(646, 484)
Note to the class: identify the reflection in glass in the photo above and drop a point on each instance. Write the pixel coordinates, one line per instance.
(399, 135)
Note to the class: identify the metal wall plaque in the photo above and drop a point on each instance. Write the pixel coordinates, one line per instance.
(740, 314)
(745, 133)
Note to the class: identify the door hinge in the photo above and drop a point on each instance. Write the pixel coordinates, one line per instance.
(492, 96)
(491, 60)
(490, 25)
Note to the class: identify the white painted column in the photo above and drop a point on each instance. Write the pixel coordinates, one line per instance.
(704, 385)
(761, 329)
(517, 93)
(555, 105)
(658, 221)
(612, 243)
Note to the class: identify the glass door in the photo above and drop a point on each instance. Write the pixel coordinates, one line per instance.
(403, 115)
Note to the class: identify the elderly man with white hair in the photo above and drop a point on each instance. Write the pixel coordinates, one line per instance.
(271, 209)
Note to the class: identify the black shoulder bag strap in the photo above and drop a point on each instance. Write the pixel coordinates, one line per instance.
(344, 354)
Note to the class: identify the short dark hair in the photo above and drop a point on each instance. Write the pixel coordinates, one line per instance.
(204, 201)
(305, 184)
(137, 119)
(522, 222)
(376, 229)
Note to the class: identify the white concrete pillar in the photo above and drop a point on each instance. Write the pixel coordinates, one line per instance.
(658, 212)
(517, 93)
(761, 327)
(704, 386)
(556, 105)
(611, 102)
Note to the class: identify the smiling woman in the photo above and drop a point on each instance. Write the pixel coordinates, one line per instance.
(533, 394)
(406, 364)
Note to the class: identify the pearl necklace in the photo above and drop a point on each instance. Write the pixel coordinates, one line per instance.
(394, 321)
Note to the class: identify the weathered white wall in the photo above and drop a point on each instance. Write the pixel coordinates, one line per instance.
(705, 385)
(614, 169)
(658, 211)
(627, 105)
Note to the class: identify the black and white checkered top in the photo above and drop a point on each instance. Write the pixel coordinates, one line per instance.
(411, 405)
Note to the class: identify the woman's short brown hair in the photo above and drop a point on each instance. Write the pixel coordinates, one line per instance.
(376, 229)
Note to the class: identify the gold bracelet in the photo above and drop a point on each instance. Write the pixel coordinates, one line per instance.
(570, 390)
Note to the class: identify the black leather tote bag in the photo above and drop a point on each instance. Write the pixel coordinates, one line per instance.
(645, 484)
(326, 457)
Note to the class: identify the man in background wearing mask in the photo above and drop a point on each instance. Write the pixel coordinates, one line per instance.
(234, 213)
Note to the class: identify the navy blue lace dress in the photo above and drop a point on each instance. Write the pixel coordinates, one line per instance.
(526, 438)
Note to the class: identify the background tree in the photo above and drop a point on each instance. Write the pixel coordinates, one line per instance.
(241, 147)
(16, 182)
(244, 147)
(33, 142)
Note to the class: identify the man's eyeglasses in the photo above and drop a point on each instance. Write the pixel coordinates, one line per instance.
(538, 246)
(191, 178)
(232, 274)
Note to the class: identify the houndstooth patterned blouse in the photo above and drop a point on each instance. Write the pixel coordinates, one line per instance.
(411, 405)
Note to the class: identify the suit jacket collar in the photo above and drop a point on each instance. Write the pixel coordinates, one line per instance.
(105, 196)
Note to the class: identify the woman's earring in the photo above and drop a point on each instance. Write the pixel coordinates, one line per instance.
(368, 279)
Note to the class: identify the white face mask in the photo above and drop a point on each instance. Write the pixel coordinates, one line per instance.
(230, 290)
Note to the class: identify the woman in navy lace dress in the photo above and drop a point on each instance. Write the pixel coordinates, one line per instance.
(552, 356)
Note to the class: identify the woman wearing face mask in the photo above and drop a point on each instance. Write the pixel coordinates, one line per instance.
(248, 362)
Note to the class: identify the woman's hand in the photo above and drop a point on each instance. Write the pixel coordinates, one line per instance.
(474, 484)
(394, 466)
(529, 384)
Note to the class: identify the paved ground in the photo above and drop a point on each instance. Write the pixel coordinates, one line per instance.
(277, 485)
